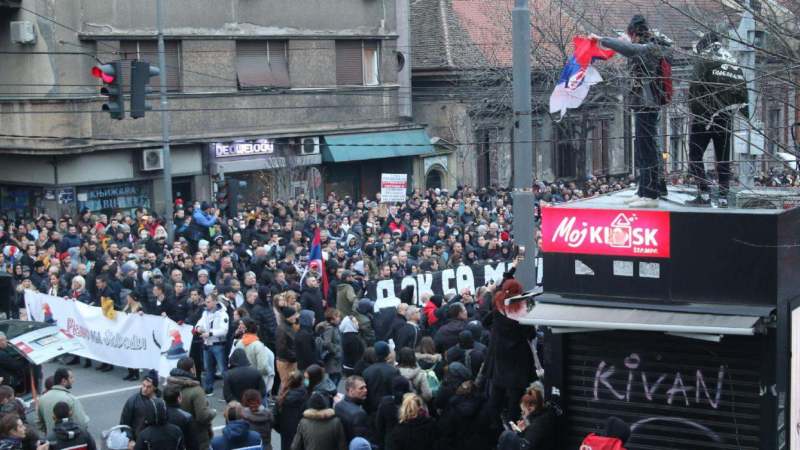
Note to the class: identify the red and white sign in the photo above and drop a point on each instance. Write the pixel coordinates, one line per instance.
(636, 233)
(393, 187)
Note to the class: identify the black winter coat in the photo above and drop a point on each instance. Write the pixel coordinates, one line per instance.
(416, 434)
(541, 430)
(352, 349)
(354, 419)
(311, 299)
(264, 316)
(509, 361)
(289, 414)
(466, 424)
(379, 378)
(407, 335)
(447, 335)
(160, 437)
(183, 420)
(306, 349)
(68, 434)
(241, 377)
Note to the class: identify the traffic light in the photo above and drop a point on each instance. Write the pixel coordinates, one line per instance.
(235, 187)
(111, 75)
(141, 73)
(222, 195)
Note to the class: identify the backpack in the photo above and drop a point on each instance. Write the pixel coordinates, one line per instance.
(595, 442)
(662, 84)
(433, 380)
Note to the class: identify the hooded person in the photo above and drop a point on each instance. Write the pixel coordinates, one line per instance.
(193, 399)
(305, 341)
(363, 313)
(319, 429)
(237, 433)
(158, 432)
(379, 376)
(717, 91)
(240, 377)
(352, 345)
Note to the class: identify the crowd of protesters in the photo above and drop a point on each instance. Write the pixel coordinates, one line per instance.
(298, 351)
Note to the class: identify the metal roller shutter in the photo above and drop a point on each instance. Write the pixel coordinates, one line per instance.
(148, 51)
(677, 393)
(349, 63)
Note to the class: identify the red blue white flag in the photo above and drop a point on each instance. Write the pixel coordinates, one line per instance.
(578, 75)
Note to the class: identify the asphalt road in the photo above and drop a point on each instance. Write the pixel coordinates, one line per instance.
(103, 394)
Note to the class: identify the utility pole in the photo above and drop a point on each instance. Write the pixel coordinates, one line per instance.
(523, 222)
(168, 205)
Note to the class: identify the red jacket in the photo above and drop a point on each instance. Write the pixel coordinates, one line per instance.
(430, 313)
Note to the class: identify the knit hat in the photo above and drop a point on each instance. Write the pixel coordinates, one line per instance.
(382, 350)
(359, 443)
(128, 267)
(638, 25)
(317, 401)
(208, 289)
(152, 375)
(365, 306)
(288, 311)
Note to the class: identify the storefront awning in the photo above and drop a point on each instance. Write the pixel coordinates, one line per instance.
(589, 318)
(387, 144)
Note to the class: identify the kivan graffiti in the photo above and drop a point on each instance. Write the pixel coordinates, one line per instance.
(672, 384)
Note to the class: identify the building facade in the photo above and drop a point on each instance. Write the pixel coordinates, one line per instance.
(256, 91)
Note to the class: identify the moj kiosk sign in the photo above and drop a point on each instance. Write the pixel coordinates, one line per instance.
(635, 233)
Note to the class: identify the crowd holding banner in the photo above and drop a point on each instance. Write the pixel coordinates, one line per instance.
(126, 340)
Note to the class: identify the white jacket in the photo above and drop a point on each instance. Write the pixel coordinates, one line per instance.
(215, 324)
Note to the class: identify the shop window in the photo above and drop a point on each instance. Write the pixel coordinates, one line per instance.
(148, 51)
(357, 63)
(262, 64)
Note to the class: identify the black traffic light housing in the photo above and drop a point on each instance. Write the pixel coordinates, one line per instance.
(235, 187)
(141, 73)
(111, 75)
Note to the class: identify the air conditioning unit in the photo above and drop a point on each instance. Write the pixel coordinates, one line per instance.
(309, 146)
(152, 159)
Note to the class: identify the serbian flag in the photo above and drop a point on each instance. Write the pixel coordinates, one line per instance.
(578, 75)
(315, 261)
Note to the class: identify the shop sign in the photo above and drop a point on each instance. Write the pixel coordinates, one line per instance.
(393, 187)
(244, 148)
(635, 233)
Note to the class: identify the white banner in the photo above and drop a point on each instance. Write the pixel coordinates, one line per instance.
(393, 187)
(128, 340)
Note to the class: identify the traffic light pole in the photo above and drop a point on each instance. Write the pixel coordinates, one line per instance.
(524, 228)
(169, 212)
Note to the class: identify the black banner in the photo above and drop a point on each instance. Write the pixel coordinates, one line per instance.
(449, 281)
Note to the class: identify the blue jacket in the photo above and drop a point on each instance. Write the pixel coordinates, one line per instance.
(236, 435)
(200, 224)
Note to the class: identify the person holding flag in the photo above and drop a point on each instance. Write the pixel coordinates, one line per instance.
(646, 55)
(311, 297)
(578, 75)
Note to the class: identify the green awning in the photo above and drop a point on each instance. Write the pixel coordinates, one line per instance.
(387, 144)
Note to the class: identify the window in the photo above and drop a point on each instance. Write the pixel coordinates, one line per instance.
(566, 145)
(600, 146)
(677, 143)
(261, 64)
(773, 130)
(148, 51)
(357, 63)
